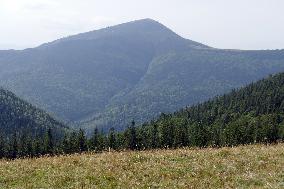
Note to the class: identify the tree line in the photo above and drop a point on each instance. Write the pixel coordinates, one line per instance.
(166, 134)
(253, 114)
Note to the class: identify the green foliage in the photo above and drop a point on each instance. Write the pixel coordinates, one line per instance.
(82, 141)
(48, 142)
(13, 147)
(94, 142)
(253, 114)
(112, 139)
(21, 117)
(2, 146)
(28, 130)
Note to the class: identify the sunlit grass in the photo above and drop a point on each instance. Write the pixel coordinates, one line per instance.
(255, 166)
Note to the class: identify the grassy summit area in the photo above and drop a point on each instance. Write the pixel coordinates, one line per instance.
(252, 166)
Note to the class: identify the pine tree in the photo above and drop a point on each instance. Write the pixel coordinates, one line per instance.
(13, 149)
(29, 148)
(132, 137)
(48, 142)
(37, 147)
(167, 134)
(102, 142)
(66, 145)
(112, 139)
(23, 146)
(94, 140)
(82, 141)
(154, 136)
(181, 135)
(74, 146)
(143, 137)
(199, 135)
(2, 146)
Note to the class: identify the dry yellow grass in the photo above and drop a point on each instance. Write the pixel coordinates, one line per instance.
(255, 166)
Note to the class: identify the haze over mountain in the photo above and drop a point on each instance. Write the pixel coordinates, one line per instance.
(130, 71)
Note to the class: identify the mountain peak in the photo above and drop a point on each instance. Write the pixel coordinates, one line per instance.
(146, 21)
(149, 20)
(145, 26)
(143, 29)
(142, 26)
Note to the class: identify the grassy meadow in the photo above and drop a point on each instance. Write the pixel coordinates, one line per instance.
(253, 166)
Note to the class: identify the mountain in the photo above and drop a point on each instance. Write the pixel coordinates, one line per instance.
(130, 71)
(21, 117)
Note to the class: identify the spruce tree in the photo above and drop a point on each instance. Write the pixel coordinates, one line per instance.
(154, 136)
(2, 146)
(82, 141)
(74, 146)
(48, 142)
(167, 134)
(94, 140)
(13, 148)
(23, 146)
(37, 147)
(112, 139)
(132, 137)
(29, 148)
(66, 145)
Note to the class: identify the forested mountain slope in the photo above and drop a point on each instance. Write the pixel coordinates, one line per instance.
(18, 116)
(176, 80)
(253, 114)
(130, 71)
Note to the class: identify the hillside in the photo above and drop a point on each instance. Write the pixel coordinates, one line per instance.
(176, 80)
(252, 114)
(130, 71)
(18, 116)
(256, 166)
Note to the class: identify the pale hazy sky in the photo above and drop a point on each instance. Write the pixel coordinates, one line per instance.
(239, 24)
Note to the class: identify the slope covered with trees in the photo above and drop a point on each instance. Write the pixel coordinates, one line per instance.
(134, 70)
(26, 130)
(180, 79)
(18, 116)
(253, 114)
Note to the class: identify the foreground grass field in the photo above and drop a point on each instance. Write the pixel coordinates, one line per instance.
(255, 166)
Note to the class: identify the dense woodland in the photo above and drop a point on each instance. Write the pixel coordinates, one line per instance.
(20, 116)
(21, 121)
(253, 114)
